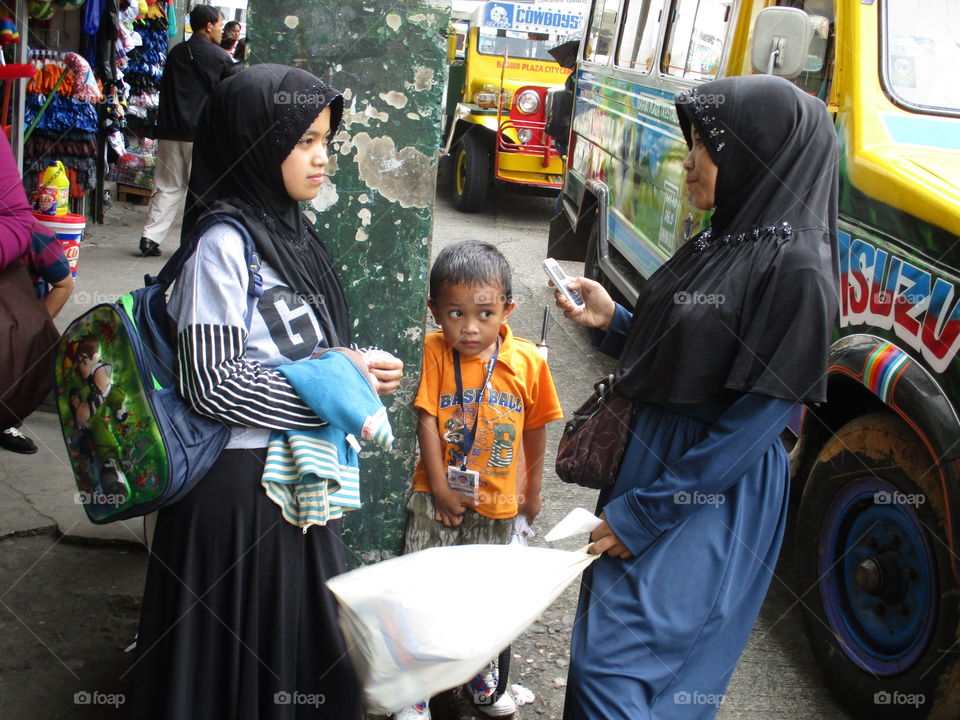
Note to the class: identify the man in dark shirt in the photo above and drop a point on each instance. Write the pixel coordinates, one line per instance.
(192, 71)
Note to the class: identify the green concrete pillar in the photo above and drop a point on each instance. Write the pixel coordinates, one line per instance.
(388, 58)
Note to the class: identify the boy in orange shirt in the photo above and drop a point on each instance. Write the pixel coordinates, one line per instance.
(484, 401)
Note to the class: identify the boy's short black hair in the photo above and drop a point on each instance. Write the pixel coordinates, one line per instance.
(471, 263)
(202, 15)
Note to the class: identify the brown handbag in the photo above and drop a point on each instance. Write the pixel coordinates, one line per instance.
(27, 339)
(593, 441)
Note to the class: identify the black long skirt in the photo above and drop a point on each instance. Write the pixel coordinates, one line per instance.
(236, 621)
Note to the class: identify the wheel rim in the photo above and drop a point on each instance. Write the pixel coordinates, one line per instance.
(877, 576)
(461, 174)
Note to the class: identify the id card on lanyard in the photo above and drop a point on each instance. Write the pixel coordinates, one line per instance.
(459, 476)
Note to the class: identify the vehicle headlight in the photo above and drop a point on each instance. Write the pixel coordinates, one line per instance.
(528, 102)
(525, 135)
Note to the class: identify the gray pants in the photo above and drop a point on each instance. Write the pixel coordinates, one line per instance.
(424, 532)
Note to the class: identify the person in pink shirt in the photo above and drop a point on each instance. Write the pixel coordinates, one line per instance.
(44, 258)
(16, 219)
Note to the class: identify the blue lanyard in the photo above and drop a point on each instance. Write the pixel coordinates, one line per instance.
(471, 435)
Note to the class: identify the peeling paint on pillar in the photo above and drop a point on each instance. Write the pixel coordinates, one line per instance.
(407, 177)
(394, 99)
(376, 213)
(423, 78)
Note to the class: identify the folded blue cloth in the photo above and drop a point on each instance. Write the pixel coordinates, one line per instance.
(313, 475)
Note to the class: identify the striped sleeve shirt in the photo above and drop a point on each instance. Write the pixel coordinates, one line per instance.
(227, 371)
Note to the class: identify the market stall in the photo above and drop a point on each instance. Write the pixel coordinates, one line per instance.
(91, 100)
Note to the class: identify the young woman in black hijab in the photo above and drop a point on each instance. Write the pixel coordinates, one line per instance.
(236, 620)
(726, 338)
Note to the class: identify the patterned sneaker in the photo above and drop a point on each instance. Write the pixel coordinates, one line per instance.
(420, 711)
(502, 708)
(483, 686)
(14, 440)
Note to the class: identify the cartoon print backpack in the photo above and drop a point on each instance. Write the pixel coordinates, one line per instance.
(133, 442)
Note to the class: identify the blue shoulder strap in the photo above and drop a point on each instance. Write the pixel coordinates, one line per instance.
(175, 264)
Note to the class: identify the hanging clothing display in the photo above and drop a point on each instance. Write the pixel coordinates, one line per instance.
(61, 118)
(145, 67)
(74, 98)
(142, 53)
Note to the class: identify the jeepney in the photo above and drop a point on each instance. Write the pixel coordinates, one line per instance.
(877, 467)
(500, 72)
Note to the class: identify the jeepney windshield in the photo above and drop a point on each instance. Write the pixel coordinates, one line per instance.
(922, 53)
(494, 41)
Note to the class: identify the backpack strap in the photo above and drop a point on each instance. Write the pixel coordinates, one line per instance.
(171, 270)
(255, 285)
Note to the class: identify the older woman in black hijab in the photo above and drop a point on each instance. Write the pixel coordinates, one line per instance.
(236, 619)
(726, 338)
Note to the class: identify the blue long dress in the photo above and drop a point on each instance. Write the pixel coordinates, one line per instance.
(701, 502)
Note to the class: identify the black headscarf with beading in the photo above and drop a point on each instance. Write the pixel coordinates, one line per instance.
(248, 128)
(748, 305)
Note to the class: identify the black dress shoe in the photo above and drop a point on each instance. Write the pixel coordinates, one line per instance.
(14, 440)
(149, 247)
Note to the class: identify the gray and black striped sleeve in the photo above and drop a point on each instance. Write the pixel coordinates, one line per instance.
(217, 376)
(219, 381)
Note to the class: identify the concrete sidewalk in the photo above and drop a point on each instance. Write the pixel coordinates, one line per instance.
(37, 492)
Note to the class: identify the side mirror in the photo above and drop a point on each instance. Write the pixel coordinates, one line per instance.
(781, 38)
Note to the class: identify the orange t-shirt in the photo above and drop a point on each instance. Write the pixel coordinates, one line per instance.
(520, 396)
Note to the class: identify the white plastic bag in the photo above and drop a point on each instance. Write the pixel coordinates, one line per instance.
(422, 623)
(522, 532)
(576, 522)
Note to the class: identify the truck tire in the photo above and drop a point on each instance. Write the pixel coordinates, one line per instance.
(879, 598)
(471, 173)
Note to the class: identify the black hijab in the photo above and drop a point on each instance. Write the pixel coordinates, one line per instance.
(749, 304)
(249, 126)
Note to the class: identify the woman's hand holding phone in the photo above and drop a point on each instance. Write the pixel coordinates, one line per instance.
(598, 308)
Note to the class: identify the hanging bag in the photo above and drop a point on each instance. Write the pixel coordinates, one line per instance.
(594, 439)
(134, 443)
(27, 339)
